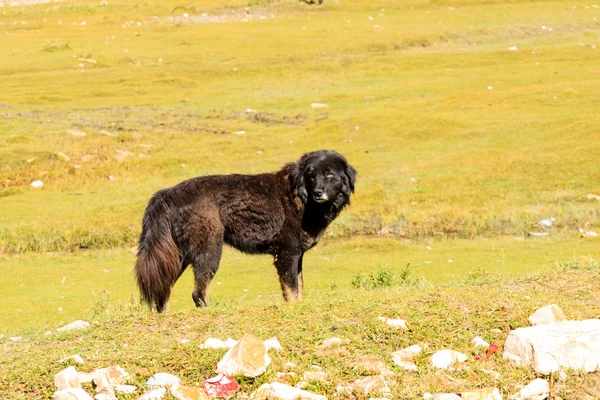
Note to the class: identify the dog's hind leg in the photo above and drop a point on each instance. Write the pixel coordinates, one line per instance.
(289, 275)
(205, 267)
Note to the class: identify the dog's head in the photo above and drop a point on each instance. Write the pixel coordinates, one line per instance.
(323, 176)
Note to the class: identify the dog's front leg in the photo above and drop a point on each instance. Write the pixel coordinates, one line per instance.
(289, 268)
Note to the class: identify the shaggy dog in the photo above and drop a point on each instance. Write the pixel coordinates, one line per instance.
(282, 213)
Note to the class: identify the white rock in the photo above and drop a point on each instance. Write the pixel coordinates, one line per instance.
(478, 341)
(37, 184)
(125, 389)
(547, 223)
(333, 342)
(407, 353)
(512, 48)
(396, 323)
(212, 343)
(406, 365)
(319, 105)
(371, 385)
(536, 390)
(156, 394)
(72, 394)
(445, 396)
(75, 132)
(162, 379)
(79, 324)
(281, 391)
(67, 378)
(289, 366)
(445, 359)
(482, 394)
(547, 315)
(272, 343)
(585, 233)
(550, 347)
(403, 357)
(314, 376)
(105, 396)
(248, 357)
(63, 156)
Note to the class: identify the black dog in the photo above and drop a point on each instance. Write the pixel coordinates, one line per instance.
(283, 213)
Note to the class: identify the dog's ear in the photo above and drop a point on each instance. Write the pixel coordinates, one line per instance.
(351, 175)
(297, 179)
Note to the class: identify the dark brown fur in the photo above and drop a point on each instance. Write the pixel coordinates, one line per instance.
(283, 213)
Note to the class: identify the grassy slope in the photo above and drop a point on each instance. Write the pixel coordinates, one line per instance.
(483, 161)
(36, 286)
(439, 316)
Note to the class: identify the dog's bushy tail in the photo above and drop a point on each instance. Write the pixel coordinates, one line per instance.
(158, 263)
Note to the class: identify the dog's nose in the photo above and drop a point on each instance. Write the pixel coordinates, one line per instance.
(318, 192)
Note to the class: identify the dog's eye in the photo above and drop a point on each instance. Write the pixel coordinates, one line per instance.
(329, 174)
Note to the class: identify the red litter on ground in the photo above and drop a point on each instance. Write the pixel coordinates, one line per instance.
(491, 350)
(220, 386)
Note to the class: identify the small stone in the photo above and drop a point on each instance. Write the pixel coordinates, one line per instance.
(181, 392)
(396, 323)
(373, 365)
(319, 105)
(445, 359)
(408, 353)
(272, 343)
(478, 341)
(537, 389)
(248, 357)
(333, 342)
(125, 389)
(37, 184)
(75, 132)
(281, 391)
(547, 315)
(512, 48)
(79, 324)
(156, 394)
(63, 156)
(162, 379)
(289, 366)
(285, 377)
(105, 396)
(314, 376)
(482, 394)
(446, 396)
(403, 357)
(212, 343)
(67, 378)
(122, 155)
(72, 394)
(371, 385)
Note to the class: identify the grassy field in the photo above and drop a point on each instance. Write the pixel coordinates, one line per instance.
(468, 122)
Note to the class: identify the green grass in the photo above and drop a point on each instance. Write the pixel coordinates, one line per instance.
(37, 285)
(438, 153)
(461, 146)
(439, 316)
